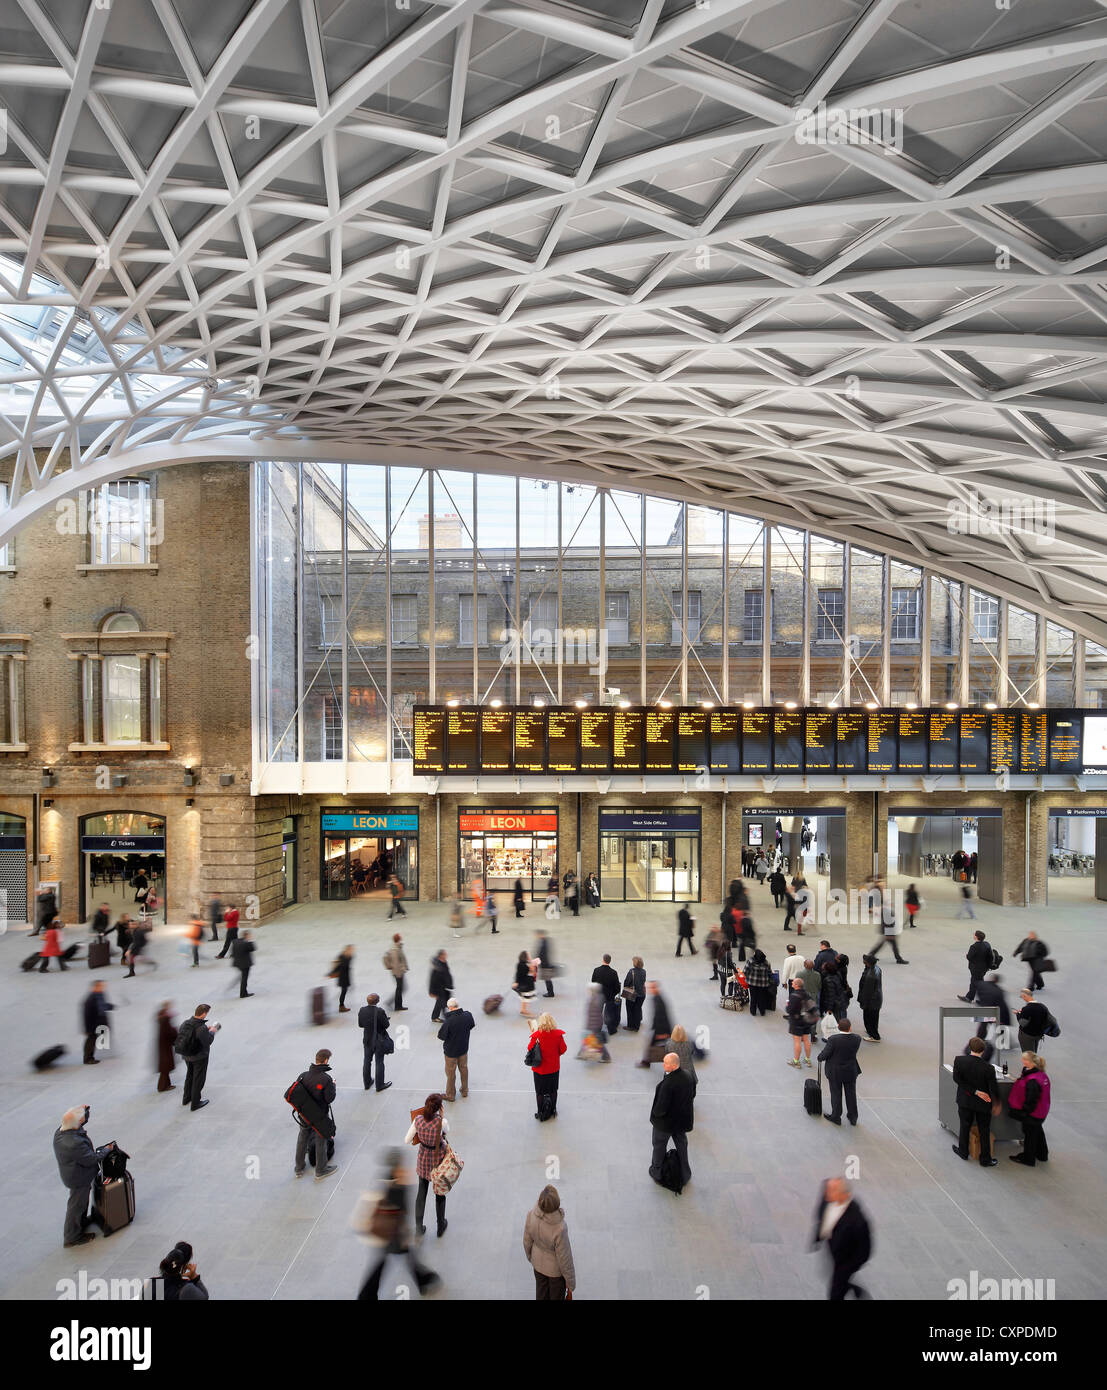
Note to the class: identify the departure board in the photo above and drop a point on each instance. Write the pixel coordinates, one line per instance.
(430, 742)
(911, 752)
(462, 754)
(818, 742)
(1004, 740)
(626, 740)
(850, 732)
(643, 741)
(1033, 741)
(788, 742)
(660, 744)
(691, 740)
(726, 748)
(495, 740)
(757, 730)
(562, 740)
(595, 740)
(1066, 739)
(530, 741)
(881, 742)
(942, 743)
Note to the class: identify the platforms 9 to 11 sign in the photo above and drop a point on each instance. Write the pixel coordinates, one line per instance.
(568, 741)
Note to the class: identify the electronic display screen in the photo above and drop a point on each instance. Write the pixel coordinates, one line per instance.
(942, 744)
(818, 741)
(595, 740)
(429, 752)
(1033, 741)
(562, 740)
(912, 742)
(788, 742)
(626, 740)
(530, 741)
(850, 737)
(691, 736)
(757, 728)
(726, 747)
(660, 745)
(1066, 737)
(495, 740)
(974, 735)
(461, 740)
(881, 742)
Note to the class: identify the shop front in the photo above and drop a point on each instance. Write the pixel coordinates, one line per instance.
(13, 870)
(362, 849)
(123, 864)
(650, 856)
(499, 847)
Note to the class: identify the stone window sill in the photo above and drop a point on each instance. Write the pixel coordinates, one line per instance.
(14, 747)
(116, 569)
(119, 747)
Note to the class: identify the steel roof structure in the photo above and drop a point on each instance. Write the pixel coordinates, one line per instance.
(835, 263)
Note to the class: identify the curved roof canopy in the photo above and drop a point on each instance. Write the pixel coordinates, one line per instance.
(839, 263)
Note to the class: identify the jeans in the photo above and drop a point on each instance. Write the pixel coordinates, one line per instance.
(453, 1065)
(421, 1205)
(661, 1143)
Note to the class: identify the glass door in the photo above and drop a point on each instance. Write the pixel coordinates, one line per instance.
(637, 865)
(612, 869)
(686, 868)
(336, 877)
(545, 865)
(404, 850)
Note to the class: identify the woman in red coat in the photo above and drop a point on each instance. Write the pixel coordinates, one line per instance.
(551, 1044)
(52, 947)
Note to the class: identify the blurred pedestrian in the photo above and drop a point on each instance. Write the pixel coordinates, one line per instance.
(634, 992)
(519, 898)
(608, 980)
(230, 933)
(194, 933)
(440, 985)
(843, 1229)
(685, 928)
(122, 931)
(165, 1059)
(94, 1016)
(52, 947)
(913, 903)
(660, 1026)
(242, 958)
(543, 949)
(388, 1228)
(341, 974)
(396, 891)
(395, 962)
(1033, 951)
(546, 1244)
(525, 971)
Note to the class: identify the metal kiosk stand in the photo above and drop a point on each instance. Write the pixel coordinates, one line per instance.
(1003, 1126)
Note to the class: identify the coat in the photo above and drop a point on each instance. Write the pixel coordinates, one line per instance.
(552, 1045)
(973, 1074)
(979, 957)
(832, 999)
(51, 946)
(1033, 1019)
(850, 1241)
(687, 1057)
(989, 993)
(373, 1022)
(673, 1102)
(432, 1146)
(759, 974)
(608, 978)
(661, 1027)
(684, 923)
(839, 1055)
(342, 972)
(394, 961)
(798, 999)
(242, 952)
(546, 1244)
(870, 987)
(1031, 951)
(165, 1059)
(95, 1011)
(635, 979)
(441, 981)
(100, 922)
(454, 1033)
(78, 1162)
(824, 957)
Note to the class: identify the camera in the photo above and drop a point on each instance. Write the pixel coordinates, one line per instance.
(87, 1110)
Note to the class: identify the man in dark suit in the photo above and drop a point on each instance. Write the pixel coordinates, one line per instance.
(977, 1094)
(373, 1022)
(672, 1116)
(441, 984)
(844, 1227)
(608, 981)
(839, 1054)
(242, 958)
(979, 957)
(194, 1039)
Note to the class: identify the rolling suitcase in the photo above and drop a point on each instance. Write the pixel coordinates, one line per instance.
(99, 953)
(31, 961)
(46, 1059)
(113, 1203)
(69, 953)
(492, 1003)
(317, 1005)
(813, 1094)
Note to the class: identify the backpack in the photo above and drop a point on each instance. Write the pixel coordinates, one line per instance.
(671, 1177)
(810, 1012)
(997, 959)
(1053, 1028)
(185, 1044)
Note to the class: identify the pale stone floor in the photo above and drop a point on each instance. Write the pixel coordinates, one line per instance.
(222, 1178)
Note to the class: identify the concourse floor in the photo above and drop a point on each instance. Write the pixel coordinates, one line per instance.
(222, 1179)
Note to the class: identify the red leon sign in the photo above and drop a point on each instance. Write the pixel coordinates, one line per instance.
(507, 822)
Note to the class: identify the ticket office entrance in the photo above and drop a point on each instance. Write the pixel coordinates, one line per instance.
(123, 864)
(1076, 855)
(650, 856)
(362, 849)
(934, 846)
(498, 847)
(804, 841)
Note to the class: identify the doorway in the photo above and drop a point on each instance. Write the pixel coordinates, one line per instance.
(649, 868)
(1076, 855)
(123, 865)
(942, 850)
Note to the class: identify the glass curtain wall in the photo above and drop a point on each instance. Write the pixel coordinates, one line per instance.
(1022, 657)
(539, 586)
(1060, 672)
(905, 633)
(945, 641)
(866, 626)
(409, 605)
(786, 579)
(706, 652)
(826, 607)
(623, 573)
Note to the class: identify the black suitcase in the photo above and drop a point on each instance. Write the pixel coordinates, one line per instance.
(612, 1015)
(32, 961)
(317, 1005)
(545, 1106)
(813, 1094)
(46, 1059)
(99, 954)
(113, 1203)
(69, 952)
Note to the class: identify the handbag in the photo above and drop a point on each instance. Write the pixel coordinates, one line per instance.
(658, 1051)
(628, 994)
(446, 1173)
(384, 1224)
(534, 1055)
(1047, 966)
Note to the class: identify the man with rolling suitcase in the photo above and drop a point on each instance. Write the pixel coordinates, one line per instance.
(94, 1016)
(78, 1166)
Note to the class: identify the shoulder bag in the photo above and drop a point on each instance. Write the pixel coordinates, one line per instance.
(534, 1055)
(447, 1172)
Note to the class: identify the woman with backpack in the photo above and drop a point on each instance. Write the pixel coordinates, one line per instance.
(428, 1130)
(803, 1014)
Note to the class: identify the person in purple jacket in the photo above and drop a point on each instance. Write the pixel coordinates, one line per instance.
(1029, 1104)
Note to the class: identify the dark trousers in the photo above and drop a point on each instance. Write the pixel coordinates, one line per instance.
(196, 1073)
(242, 991)
(790, 916)
(46, 964)
(367, 1056)
(195, 953)
(841, 1281)
(215, 931)
(871, 1019)
(837, 1087)
(634, 1014)
(518, 907)
(306, 1139)
(1029, 1043)
(398, 998)
(760, 999)
(370, 1289)
(546, 1085)
(661, 1143)
(983, 1121)
(421, 1204)
(395, 910)
(681, 939)
(974, 980)
(612, 1013)
(549, 1288)
(878, 946)
(1034, 1146)
(1036, 981)
(76, 1212)
(549, 988)
(440, 1001)
(229, 937)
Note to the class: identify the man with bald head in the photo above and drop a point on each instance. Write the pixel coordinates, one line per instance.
(78, 1165)
(672, 1116)
(843, 1228)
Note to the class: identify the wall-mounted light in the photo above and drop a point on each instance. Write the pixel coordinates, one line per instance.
(789, 704)
(664, 704)
(581, 704)
(747, 704)
(624, 704)
(708, 704)
(495, 703)
(990, 704)
(871, 704)
(833, 705)
(226, 779)
(951, 705)
(47, 802)
(538, 702)
(190, 778)
(910, 705)
(190, 801)
(48, 778)
(119, 780)
(1033, 704)
(452, 704)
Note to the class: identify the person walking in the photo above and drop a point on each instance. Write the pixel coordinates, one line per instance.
(341, 974)
(870, 996)
(747, 937)
(78, 1167)
(52, 947)
(660, 1028)
(389, 1230)
(759, 981)
(634, 992)
(965, 910)
(441, 984)
(685, 927)
(549, 1039)
(1033, 952)
(672, 1116)
(194, 1039)
(543, 949)
(843, 1229)
(122, 931)
(789, 902)
(230, 929)
(977, 1101)
(913, 903)
(94, 1016)
(525, 971)
(242, 959)
(892, 929)
(140, 934)
(395, 962)
(315, 1093)
(375, 1042)
(778, 887)
(1028, 1102)
(454, 1037)
(1033, 1020)
(553, 902)
(608, 980)
(760, 866)
(101, 919)
(181, 1282)
(989, 992)
(546, 1245)
(194, 933)
(165, 1035)
(492, 911)
(686, 1050)
(215, 915)
(979, 956)
(839, 1055)
(396, 891)
(428, 1130)
(519, 898)
(802, 1013)
(46, 909)
(572, 892)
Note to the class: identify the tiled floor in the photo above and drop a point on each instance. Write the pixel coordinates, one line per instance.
(222, 1178)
